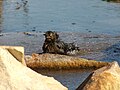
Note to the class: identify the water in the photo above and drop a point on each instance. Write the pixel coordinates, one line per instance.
(71, 78)
(93, 16)
(93, 24)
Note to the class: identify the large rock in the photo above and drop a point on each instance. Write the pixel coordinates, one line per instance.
(56, 61)
(106, 78)
(16, 76)
(17, 52)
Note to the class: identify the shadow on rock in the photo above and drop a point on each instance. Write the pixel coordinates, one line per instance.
(106, 78)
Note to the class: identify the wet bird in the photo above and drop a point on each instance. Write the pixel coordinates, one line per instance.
(53, 44)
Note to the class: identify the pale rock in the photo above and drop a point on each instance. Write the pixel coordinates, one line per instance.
(106, 78)
(16, 76)
(17, 52)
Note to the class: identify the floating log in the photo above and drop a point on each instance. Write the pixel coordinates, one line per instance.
(56, 61)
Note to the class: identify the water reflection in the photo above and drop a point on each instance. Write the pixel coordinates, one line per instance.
(1, 8)
(69, 78)
(16, 15)
(86, 16)
(23, 7)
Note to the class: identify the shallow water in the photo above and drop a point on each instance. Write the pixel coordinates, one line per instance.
(71, 78)
(94, 25)
(86, 16)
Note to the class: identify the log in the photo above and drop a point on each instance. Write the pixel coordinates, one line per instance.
(56, 61)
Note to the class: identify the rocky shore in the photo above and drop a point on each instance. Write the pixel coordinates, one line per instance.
(106, 78)
(17, 76)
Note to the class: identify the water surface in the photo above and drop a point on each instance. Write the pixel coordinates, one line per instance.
(69, 78)
(86, 16)
(94, 25)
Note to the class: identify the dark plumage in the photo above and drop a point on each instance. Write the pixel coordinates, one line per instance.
(54, 45)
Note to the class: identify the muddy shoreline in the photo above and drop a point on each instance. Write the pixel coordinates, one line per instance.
(92, 46)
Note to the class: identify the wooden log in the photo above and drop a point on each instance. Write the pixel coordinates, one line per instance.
(56, 61)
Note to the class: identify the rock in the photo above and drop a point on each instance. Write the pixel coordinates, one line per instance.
(56, 61)
(16, 76)
(17, 52)
(106, 78)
